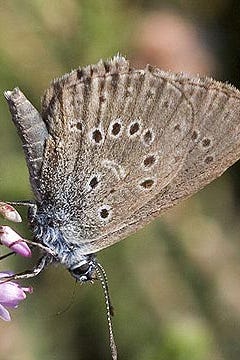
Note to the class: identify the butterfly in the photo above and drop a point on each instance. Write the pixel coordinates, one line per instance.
(115, 147)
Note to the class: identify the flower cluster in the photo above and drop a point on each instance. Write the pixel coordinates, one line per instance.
(11, 293)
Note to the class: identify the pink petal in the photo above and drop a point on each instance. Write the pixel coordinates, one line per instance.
(28, 289)
(11, 239)
(9, 213)
(4, 314)
(11, 294)
(5, 273)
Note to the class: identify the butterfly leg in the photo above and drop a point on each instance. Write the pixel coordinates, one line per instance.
(29, 203)
(43, 262)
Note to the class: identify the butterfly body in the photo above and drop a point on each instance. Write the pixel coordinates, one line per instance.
(46, 230)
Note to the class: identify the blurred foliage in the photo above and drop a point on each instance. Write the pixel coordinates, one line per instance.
(176, 283)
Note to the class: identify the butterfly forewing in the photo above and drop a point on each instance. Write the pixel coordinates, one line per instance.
(117, 138)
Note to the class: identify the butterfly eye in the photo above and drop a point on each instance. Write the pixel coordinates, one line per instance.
(82, 272)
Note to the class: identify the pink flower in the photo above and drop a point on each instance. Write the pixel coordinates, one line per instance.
(12, 240)
(9, 213)
(10, 295)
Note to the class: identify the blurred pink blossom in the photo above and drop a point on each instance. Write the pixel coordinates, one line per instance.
(12, 240)
(11, 294)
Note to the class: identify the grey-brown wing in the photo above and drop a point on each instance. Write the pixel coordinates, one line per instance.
(214, 146)
(117, 146)
(118, 136)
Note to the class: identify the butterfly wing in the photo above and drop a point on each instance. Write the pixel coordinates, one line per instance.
(214, 146)
(125, 145)
(117, 137)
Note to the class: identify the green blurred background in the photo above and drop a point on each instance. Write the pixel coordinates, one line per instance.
(176, 283)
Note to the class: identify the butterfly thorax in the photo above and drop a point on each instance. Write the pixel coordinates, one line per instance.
(46, 226)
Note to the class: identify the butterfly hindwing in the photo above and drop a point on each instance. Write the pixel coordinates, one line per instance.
(214, 146)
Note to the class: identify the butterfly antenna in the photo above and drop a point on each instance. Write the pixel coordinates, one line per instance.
(104, 282)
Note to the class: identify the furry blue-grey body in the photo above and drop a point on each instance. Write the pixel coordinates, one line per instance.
(46, 227)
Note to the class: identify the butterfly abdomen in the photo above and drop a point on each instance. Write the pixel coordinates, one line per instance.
(32, 131)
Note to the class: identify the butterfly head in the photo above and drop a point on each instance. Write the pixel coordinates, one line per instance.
(85, 270)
